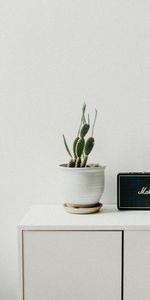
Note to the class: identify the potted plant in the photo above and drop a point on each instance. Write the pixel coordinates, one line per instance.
(82, 184)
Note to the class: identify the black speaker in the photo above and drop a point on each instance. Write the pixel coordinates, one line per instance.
(133, 191)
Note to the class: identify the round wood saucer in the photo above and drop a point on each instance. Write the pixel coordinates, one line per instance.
(82, 209)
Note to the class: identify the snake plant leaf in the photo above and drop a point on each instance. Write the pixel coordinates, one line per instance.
(71, 163)
(80, 147)
(74, 146)
(94, 121)
(84, 130)
(89, 145)
(82, 118)
(83, 165)
(66, 145)
(78, 162)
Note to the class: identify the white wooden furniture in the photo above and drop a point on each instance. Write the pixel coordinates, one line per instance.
(104, 256)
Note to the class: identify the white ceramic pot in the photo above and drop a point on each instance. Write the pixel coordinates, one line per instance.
(82, 186)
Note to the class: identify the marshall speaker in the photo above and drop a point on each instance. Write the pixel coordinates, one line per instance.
(133, 191)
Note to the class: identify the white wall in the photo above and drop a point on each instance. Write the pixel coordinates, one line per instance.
(54, 55)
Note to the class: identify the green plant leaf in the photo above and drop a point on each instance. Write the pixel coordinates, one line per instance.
(66, 145)
(74, 146)
(94, 121)
(82, 118)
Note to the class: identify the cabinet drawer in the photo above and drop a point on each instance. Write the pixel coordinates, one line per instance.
(137, 265)
(72, 265)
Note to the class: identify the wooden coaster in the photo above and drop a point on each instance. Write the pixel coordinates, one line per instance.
(83, 210)
(81, 205)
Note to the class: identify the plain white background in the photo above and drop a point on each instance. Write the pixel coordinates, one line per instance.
(54, 55)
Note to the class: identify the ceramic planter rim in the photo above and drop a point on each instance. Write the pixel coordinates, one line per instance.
(86, 169)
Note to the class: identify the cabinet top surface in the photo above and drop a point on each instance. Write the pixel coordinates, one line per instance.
(54, 217)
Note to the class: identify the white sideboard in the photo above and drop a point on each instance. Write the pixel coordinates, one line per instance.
(103, 256)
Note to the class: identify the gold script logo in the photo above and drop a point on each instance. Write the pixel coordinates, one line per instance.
(144, 191)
